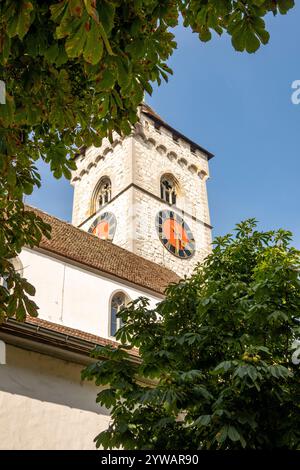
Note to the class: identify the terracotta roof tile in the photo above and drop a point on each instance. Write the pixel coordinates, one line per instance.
(72, 332)
(86, 249)
(150, 111)
(39, 332)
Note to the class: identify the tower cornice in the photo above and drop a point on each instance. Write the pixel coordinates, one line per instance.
(159, 122)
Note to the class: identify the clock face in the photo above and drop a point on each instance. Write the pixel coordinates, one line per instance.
(175, 234)
(104, 226)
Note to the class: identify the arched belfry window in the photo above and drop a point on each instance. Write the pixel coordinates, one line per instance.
(118, 301)
(168, 188)
(101, 194)
(104, 192)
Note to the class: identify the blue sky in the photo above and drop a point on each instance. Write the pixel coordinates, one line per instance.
(239, 107)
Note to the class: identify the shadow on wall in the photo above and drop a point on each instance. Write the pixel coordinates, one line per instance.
(45, 378)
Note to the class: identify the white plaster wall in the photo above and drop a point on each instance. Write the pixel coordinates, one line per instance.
(72, 296)
(45, 405)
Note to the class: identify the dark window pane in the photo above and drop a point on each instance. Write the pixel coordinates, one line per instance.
(113, 321)
(117, 303)
(104, 192)
(167, 190)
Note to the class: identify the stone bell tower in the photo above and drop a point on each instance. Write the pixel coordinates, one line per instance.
(147, 193)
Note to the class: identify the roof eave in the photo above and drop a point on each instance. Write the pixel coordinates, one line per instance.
(57, 339)
(178, 134)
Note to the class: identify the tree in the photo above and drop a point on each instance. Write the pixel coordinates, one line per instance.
(215, 368)
(75, 71)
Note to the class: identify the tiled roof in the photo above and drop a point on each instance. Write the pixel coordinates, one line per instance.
(86, 249)
(66, 330)
(60, 336)
(148, 110)
(72, 332)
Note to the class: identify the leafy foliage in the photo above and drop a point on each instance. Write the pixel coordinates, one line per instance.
(76, 70)
(215, 369)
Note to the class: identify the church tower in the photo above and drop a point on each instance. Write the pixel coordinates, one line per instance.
(147, 193)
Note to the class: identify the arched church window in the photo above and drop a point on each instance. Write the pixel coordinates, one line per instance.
(104, 192)
(168, 189)
(118, 301)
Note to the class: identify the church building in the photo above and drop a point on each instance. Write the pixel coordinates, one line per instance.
(140, 221)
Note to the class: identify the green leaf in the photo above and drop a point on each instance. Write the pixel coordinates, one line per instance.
(105, 39)
(62, 57)
(239, 40)
(285, 5)
(203, 420)
(93, 49)
(106, 11)
(136, 49)
(66, 172)
(103, 106)
(12, 305)
(7, 110)
(251, 41)
(52, 53)
(123, 72)
(205, 35)
(223, 367)
(20, 311)
(5, 45)
(92, 10)
(29, 288)
(58, 9)
(106, 81)
(31, 307)
(222, 434)
(117, 99)
(75, 7)
(106, 398)
(76, 41)
(19, 21)
(233, 434)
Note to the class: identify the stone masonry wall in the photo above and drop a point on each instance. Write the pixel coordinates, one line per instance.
(109, 160)
(148, 244)
(151, 163)
(121, 207)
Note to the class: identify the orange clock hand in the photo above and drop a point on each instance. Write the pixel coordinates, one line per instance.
(178, 236)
